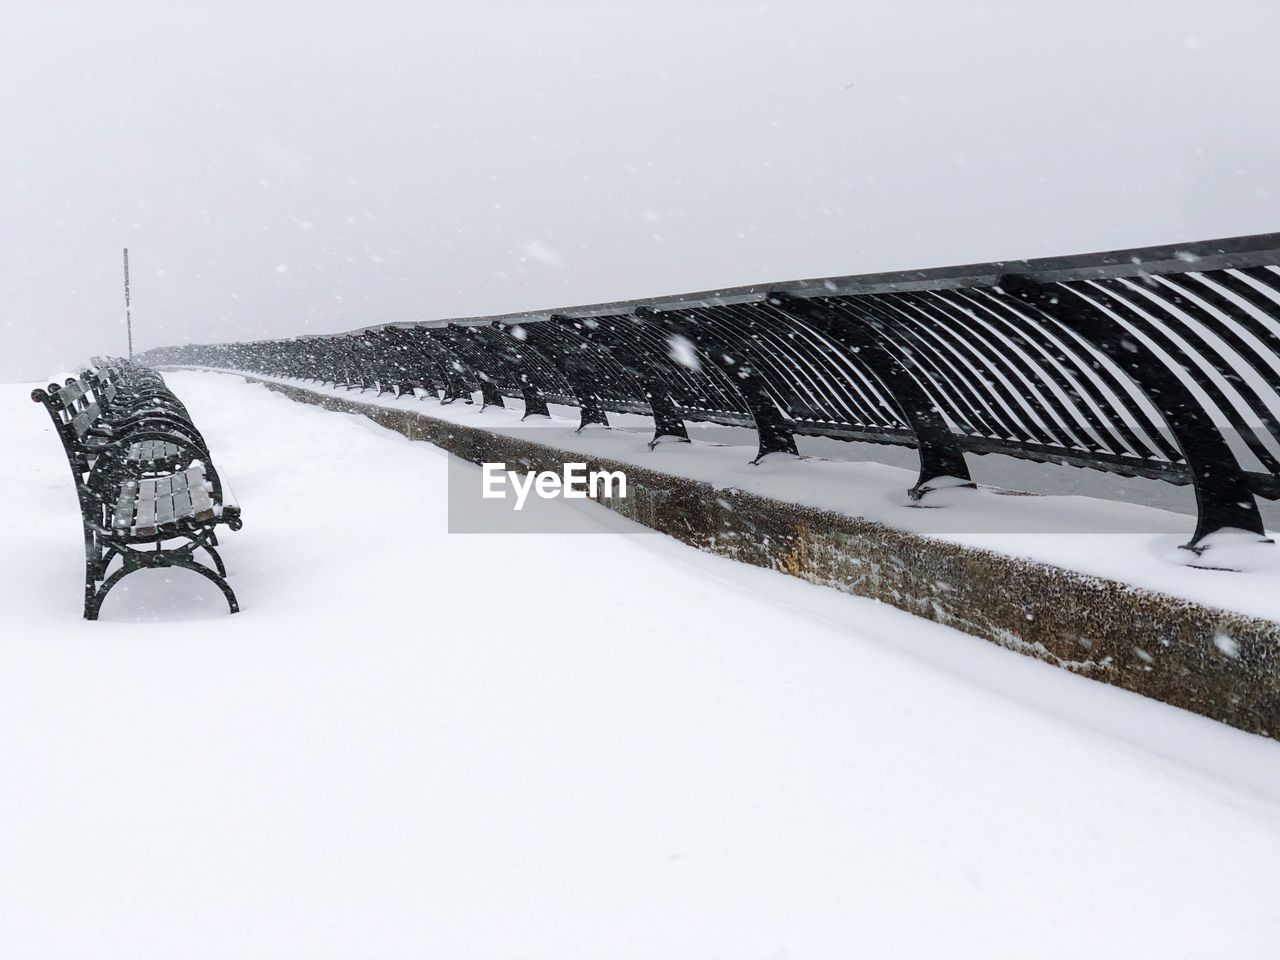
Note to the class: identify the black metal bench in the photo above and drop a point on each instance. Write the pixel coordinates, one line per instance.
(149, 494)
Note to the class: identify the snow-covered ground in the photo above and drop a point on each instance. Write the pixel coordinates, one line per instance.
(416, 744)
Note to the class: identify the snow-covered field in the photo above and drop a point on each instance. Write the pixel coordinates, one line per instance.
(415, 744)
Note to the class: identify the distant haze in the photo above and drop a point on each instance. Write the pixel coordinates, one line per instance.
(288, 168)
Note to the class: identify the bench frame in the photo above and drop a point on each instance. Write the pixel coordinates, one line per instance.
(103, 476)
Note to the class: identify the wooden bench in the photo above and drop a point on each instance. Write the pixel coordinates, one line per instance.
(149, 493)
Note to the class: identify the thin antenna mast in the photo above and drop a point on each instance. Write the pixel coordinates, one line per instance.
(128, 318)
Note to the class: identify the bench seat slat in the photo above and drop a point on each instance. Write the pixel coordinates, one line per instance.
(124, 506)
(144, 522)
(151, 450)
(201, 502)
(164, 509)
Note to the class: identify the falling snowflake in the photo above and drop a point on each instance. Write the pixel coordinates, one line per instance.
(681, 350)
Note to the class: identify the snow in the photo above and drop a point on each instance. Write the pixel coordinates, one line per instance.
(415, 744)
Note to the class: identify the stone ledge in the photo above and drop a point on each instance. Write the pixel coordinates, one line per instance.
(1159, 646)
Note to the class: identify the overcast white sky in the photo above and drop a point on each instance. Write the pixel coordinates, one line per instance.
(288, 168)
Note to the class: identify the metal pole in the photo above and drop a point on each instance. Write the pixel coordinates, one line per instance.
(128, 318)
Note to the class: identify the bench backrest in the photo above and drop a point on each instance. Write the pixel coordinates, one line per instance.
(83, 421)
(71, 425)
(75, 407)
(103, 379)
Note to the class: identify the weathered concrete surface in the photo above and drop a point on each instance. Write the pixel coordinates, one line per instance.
(1156, 645)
